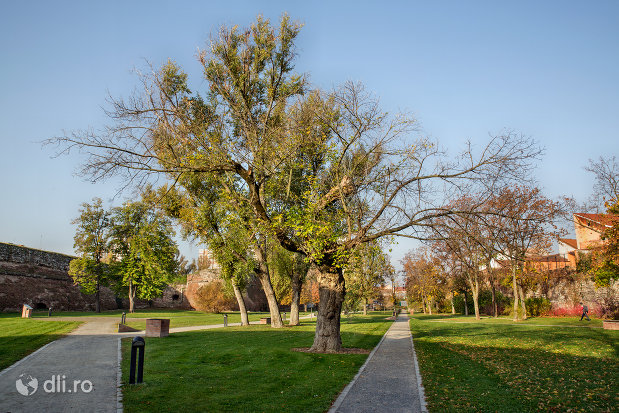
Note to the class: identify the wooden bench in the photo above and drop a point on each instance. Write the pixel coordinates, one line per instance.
(265, 320)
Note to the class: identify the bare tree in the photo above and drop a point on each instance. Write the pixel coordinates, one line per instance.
(606, 186)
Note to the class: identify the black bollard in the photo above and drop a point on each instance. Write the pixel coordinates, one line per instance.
(225, 320)
(123, 319)
(137, 343)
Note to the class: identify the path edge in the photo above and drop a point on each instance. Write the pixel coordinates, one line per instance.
(340, 399)
(119, 374)
(420, 389)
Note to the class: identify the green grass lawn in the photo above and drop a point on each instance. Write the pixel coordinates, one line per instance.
(20, 336)
(178, 318)
(247, 369)
(498, 365)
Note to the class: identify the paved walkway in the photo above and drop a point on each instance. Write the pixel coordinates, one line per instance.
(389, 381)
(77, 373)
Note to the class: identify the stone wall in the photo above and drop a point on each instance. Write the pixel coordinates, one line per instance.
(41, 280)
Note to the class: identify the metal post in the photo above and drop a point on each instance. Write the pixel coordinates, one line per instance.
(137, 344)
(49, 312)
(123, 319)
(225, 320)
(284, 320)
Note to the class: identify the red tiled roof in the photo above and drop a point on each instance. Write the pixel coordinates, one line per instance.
(569, 242)
(606, 220)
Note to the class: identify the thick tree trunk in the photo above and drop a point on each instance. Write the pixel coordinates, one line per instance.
(241, 301)
(522, 303)
(296, 298)
(262, 272)
(423, 303)
(453, 307)
(430, 302)
(331, 291)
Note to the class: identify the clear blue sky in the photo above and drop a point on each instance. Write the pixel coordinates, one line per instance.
(549, 70)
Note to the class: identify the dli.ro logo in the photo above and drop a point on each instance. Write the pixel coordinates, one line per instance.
(27, 385)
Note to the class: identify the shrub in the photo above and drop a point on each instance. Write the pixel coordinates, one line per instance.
(211, 298)
(608, 308)
(538, 306)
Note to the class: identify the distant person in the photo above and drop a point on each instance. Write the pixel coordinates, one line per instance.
(585, 312)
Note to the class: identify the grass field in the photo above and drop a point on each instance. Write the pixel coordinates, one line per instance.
(20, 337)
(247, 369)
(178, 318)
(498, 365)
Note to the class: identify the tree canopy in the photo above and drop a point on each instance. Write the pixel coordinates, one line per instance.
(320, 172)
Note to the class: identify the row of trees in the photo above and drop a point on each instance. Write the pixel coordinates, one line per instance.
(128, 248)
(262, 158)
(501, 245)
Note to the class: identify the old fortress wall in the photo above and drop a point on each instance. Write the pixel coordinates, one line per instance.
(41, 280)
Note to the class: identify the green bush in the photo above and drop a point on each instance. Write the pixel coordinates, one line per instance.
(537, 306)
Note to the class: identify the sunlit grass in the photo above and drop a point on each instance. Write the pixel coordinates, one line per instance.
(20, 336)
(499, 365)
(247, 369)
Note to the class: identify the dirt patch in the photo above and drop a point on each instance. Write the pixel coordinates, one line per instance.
(344, 351)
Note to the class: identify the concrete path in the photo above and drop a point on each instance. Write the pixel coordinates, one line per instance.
(77, 373)
(389, 381)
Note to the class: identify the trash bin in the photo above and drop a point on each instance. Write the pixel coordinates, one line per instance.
(26, 311)
(157, 327)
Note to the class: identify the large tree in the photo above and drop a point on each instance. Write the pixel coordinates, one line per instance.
(91, 245)
(320, 173)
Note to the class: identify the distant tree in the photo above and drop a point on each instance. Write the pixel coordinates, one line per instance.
(91, 244)
(606, 186)
(291, 270)
(424, 280)
(523, 226)
(365, 273)
(143, 251)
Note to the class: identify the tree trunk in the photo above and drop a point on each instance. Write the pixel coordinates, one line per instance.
(98, 296)
(466, 305)
(423, 303)
(262, 272)
(475, 290)
(296, 298)
(365, 306)
(241, 301)
(495, 307)
(522, 303)
(453, 307)
(515, 284)
(430, 305)
(131, 297)
(332, 291)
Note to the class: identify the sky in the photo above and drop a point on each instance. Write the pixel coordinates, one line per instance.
(466, 70)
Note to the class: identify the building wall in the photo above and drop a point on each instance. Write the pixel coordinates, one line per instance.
(586, 235)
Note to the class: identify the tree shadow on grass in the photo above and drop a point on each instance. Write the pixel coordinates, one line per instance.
(242, 369)
(473, 377)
